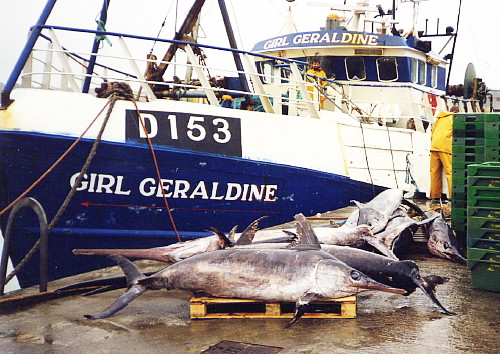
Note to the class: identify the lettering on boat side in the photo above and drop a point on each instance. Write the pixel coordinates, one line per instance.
(177, 189)
(203, 133)
(321, 39)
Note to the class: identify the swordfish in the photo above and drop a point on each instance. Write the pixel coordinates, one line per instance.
(301, 275)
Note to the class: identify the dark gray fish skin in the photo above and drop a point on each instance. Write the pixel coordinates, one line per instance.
(399, 232)
(300, 275)
(269, 275)
(399, 274)
(442, 241)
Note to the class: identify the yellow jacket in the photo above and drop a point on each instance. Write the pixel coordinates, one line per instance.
(441, 137)
(319, 73)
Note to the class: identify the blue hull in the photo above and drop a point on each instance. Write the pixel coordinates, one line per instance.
(118, 205)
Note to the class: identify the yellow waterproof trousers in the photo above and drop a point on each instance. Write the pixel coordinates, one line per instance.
(438, 161)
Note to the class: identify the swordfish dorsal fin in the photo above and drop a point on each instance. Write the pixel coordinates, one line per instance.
(307, 238)
(247, 236)
(222, 240)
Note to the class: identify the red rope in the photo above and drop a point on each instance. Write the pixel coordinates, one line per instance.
(157, 168)
(30, 188)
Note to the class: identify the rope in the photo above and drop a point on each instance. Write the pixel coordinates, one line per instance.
(54, 165)
(392, 155)
(362, 131)
(72, 192)
(139, 117)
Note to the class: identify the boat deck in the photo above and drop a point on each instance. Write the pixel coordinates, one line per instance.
(159, 321)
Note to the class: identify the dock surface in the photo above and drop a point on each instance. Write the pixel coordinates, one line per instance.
(159, 321)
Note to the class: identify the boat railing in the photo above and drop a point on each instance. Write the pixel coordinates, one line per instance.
(71, 67)
(291, 89)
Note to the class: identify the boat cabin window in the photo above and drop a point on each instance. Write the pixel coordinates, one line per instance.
(387, 69)
(355, 67)
(422, 72)
(433, 76)
(414, 70)
(267, 68)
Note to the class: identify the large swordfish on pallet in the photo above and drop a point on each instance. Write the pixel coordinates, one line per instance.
(301, 275)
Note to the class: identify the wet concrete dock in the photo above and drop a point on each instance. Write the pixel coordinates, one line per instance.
(159, 322)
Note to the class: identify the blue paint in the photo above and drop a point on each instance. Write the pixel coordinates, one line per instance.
(138, 221)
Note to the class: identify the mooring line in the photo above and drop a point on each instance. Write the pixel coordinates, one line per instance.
(153, 153)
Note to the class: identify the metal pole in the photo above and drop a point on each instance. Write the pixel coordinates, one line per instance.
(30, 43)
(232, 43)
(453, 48)
(95, 47)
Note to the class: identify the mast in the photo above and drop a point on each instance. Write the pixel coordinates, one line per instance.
(187, 27)
(454, 43)
(30, 43)
(232, 43)
(95, 46)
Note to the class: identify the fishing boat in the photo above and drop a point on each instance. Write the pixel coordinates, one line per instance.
(120, 151)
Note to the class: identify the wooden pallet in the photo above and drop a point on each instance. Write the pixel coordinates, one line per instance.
(214, 307)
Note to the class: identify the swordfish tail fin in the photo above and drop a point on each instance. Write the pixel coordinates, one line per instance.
(121, 302)
(133, 275)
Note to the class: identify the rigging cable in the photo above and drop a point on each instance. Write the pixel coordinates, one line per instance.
(161, 27)
(139, 117)
(64, 205)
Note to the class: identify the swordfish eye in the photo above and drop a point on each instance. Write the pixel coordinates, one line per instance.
(355, 275)
(446, 245)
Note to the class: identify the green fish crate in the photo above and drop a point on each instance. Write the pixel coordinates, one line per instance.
(468, 126)
(485, 268)
(473, 150)
(458, 172)
(483, 181)
(483, 212)
(469, 117)
(486, 202)
(469, 133)
(475, 222)
(468, 141)
(491, 154)
(460, 162)
(458, 189)
(489, 143)
(459, 219)
(458, 201)
(492, 130)
(485, 244)
(489, 192)
(483, 233)
(489, 169)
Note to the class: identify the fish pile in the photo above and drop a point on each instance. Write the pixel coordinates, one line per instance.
(300, 264)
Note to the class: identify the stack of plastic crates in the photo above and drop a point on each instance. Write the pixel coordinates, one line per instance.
(483, 225)
(475, 140)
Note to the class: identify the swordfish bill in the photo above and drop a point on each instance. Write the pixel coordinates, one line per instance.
(299, 275)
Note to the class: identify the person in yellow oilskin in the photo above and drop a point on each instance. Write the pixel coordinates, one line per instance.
(441, 143)
(316, 70)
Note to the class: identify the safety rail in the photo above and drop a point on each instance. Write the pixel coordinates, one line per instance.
(44, 244)
(281, 94)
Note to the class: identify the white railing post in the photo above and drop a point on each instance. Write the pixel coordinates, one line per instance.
(66, 68)
(313, 112)
(212, 99)
(47, 67)
(145, 87)
(257, 84)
